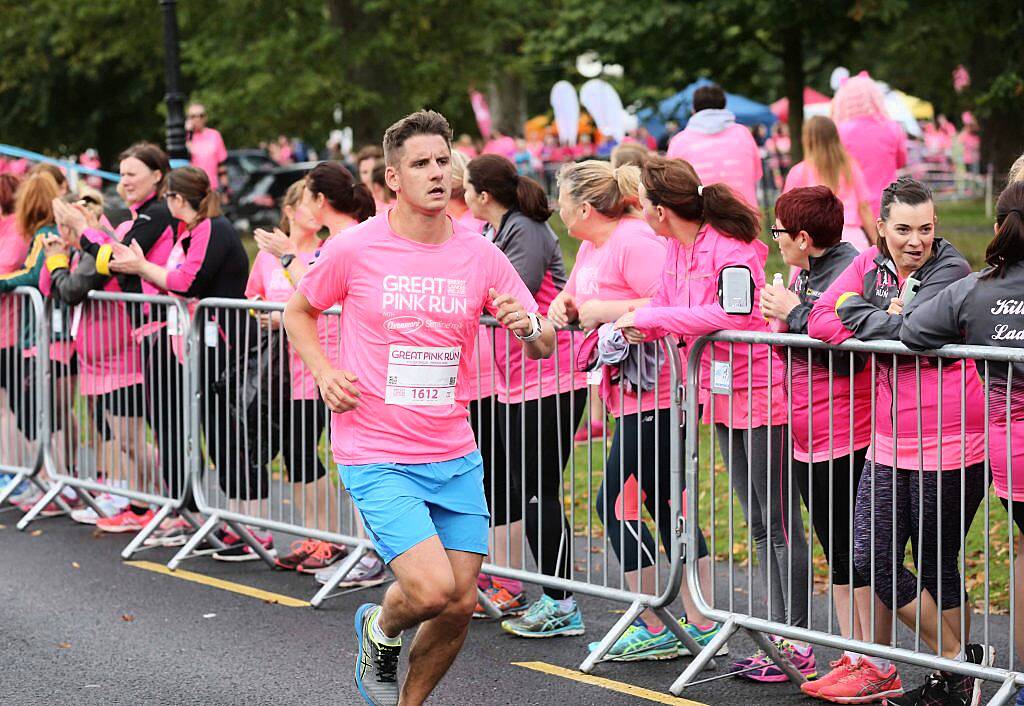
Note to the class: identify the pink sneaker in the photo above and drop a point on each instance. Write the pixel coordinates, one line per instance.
(840, 668)
(127, 521)
(237, 550)
(596, 433)
(766, 671)
(863, 684)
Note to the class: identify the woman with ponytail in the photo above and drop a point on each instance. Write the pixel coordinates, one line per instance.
(206, 260)
(618, 268)
(541, 403)
(976, 311)
(710, 230)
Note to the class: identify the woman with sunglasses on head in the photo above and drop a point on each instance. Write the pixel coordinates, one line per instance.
(912, 461)
(977, 311)
(207, 260)
(830, 433)
(712, 234)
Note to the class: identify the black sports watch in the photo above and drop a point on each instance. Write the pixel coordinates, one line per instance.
(287, 259)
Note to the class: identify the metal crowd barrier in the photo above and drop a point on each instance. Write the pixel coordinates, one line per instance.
(119, 423)
(741, 599)
(542, 413)
(265, 460)
(24, 415)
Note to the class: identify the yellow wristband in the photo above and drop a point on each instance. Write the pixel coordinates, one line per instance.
(57, 262)
(842, 299)
(103, 260)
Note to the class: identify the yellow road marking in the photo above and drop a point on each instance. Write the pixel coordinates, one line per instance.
(221, 584)
(621, 687)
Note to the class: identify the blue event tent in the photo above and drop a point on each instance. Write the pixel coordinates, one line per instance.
(678, 108)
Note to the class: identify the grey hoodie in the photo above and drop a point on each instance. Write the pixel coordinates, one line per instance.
(711, 121)
(977, 310)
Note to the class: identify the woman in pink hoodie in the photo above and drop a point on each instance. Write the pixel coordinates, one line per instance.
(912, 463)
(711, 231)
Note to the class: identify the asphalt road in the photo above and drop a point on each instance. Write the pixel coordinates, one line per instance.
(79, 626)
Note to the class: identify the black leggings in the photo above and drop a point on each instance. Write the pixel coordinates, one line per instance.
(295, 435)
(653, 455)
(832, 520)
(916, 511)
(164, 381)
(536, 457)
(483, 416)
(1018, 512)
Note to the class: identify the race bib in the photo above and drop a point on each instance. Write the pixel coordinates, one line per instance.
(422, 376)
(721, 378)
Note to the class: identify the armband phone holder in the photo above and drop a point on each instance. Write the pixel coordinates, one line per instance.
(736, 290)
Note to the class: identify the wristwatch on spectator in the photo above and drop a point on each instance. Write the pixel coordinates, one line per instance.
(287, 259)
(534, 332)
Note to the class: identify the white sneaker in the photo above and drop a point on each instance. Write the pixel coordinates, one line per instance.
(110, 505)
(370, 571)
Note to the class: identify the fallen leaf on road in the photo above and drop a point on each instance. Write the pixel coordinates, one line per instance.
(75, 565)
(3, 527)
(36, 533)
(127, 617)
(64, 645)
(270, 601)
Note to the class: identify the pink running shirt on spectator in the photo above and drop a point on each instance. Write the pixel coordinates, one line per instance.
(403, 300)
(13, 251)
(267, 281)
(208, 150)
(851, 193)
(627, 266)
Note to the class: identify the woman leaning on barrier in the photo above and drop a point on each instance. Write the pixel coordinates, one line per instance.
(541, 402)
(618, 268)
(207, 260)
(301, 417)
(35, 221)
(713, 237)
(911, 462)
(110, 372)
(830, 397)
(987, 309)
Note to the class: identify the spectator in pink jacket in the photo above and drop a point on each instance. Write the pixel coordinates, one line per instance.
(204, 143)
(719, 148)
(877, 143)
(911, 463)
(710, 230)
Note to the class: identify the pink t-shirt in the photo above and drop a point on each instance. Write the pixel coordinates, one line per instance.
(410, 321)
(208, 150)
(13, 251)
(880, 148)
(730, 157)
(627, 266)
(267, 281)
(851, 193)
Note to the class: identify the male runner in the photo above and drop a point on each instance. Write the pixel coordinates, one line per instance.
(412, 285)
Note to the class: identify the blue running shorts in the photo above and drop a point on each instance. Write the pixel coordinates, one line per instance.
(404, 504)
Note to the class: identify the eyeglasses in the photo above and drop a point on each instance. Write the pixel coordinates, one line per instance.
(170, 195)
(197, 115)
(777, 231)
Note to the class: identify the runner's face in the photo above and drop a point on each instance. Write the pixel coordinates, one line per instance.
(423, 176)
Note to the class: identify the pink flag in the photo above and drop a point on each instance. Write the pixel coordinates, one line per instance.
(482, 113)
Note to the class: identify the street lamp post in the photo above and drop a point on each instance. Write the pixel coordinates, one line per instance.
(174, 98)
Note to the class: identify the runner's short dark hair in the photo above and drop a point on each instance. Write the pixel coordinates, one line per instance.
(422, 122)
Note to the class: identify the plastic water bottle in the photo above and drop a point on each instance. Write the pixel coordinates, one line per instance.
(777, 280)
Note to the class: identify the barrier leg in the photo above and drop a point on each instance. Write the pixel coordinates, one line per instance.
(246, 536)
(631, 614)
(346, 566)
(47, 498)
(699, 662)
(774, 655)
(489, 608)
(1005, 693)
(682, 635)
(90, 502)
(186, 551)
(144, 533)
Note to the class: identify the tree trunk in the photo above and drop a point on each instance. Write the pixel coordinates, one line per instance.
(507, 101)
(793, 75)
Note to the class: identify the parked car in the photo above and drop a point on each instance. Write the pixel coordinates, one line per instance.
(259, 204)
(241, 165)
